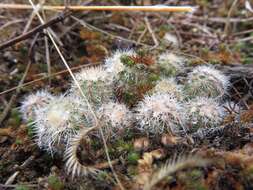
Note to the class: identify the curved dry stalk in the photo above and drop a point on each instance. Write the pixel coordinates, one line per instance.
(73, 165)
(175, 164)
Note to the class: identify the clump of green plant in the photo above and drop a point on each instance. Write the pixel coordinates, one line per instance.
(55, 183)
(21, 187)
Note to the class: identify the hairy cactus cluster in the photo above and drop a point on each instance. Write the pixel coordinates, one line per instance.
(206, 81)
(130, 91)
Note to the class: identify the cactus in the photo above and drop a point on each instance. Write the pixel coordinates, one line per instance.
(134, 81)
(207, 82)
(168, 85)
(159, 113)
(95, 85)
(113, 64)
(204, 112)
(34, 102)
(170, 64)
(58, 121)
(116, 117)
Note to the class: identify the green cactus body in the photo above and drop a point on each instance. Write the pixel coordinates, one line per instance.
(134, 81)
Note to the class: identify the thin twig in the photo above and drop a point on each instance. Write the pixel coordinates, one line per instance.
(221, 19)
(151, 32)
(46, 77)
(33, 31)
(28, 24)
(17, 170)
(84, 24)
(47, 54)
(11, 23)
(142, 35)
(227, 25)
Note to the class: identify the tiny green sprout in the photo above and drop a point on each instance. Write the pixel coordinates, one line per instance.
(133, 158)
(195, 174)
(18, 142)
(132, 170)
(15, 118)
(126, 60)
(102, 176)
(55, 183)
(153, 77)
(21, 187)
(124, 146)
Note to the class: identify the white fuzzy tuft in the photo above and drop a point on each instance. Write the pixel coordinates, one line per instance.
(34, 102)
(115, 116)
(92, 74)
(58, 121)
(171, 39)
(169, 85)
(212, 72)
(207, 81)
(114, 65)
(170, 64)
(205, 111)
(160, 112)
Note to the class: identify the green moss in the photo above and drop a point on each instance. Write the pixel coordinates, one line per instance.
(124, 146)
(192, 179)
(15, 118)
(23, 50)
(195, 174)
(129, 98)
(126, 60)
(153, 77)
(133, 157)
(55, 183)
(132, 170)
(102, 176)
(248, 172)
(21, 187)
(18, 142)
(95, 144)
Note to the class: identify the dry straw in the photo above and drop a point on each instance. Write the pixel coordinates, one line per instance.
(156, 8)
